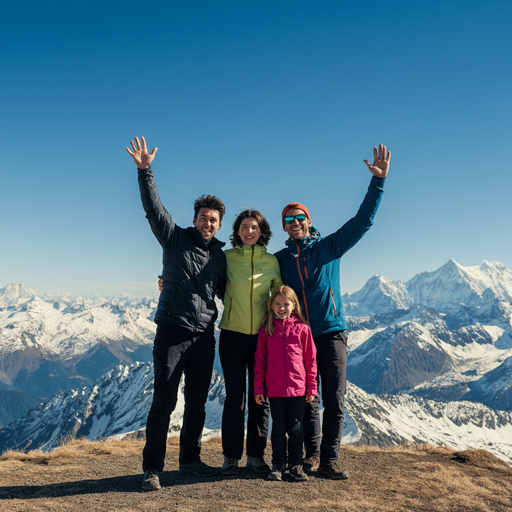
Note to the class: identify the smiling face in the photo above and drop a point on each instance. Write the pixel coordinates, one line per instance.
(207, 223)
(282, 306)
(249, 231)
(297, 229)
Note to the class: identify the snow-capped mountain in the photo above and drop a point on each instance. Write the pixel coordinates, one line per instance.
(451, 342)
(50, 342)
(117, 406)
(453, 284)
(467, 293)
(386, 420)
(378, 295)
(442, 337)
(68, 327)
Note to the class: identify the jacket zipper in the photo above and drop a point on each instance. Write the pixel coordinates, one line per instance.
(302, 281)
(252, 281)
(333, 304)
(284, 359)
(202, 288)
(305, 268)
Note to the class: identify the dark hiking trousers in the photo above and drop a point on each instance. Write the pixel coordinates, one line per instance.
(331, 358)
(177, 350)
(287, 417)
(236, 351)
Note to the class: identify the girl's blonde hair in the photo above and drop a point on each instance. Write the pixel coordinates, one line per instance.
(288, 292)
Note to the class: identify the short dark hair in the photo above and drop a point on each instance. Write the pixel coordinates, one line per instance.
(212, 202)
(262, 223)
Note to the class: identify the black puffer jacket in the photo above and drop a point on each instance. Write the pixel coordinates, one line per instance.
(193, 271)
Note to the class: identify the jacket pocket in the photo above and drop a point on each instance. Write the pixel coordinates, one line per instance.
(171, 300)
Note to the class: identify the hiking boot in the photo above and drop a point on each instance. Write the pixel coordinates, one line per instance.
(311, 464)
(197, 468)
(230, 466)
(331, 471)
(297, 474)
(277, 472)
(257, 464)
(151, 481)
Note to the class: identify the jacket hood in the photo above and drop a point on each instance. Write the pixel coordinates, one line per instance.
(306, 241)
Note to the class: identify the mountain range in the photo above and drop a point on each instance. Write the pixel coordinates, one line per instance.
(117, 406)
(430, 359)
(54, 342)
(443, 335)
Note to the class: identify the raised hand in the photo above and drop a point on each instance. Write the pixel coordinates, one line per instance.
(140, 154)
(380, 165)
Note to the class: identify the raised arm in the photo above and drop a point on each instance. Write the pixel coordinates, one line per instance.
(354, 229)
(159, 218)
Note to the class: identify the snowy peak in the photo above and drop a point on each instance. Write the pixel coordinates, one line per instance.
(69, 326)
(378, 295)
(14, 294)
(453, 284)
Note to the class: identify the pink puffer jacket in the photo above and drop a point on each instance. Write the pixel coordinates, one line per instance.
(285, 363)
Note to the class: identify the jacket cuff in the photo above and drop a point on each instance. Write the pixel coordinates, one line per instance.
(377, 182)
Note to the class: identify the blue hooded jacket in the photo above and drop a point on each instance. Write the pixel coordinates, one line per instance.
(311, 266)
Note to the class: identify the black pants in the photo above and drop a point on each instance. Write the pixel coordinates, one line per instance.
(177, 350)
(331, 358)
(236, 353)
(287, 417)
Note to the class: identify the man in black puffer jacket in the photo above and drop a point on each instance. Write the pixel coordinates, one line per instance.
(194, 272)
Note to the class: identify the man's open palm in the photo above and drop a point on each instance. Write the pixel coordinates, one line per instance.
(380, 166)
(140, 154)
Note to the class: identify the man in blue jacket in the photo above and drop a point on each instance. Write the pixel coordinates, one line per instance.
(310, 264)
(194, 271)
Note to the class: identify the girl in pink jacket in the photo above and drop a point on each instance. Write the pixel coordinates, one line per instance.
(285, 372)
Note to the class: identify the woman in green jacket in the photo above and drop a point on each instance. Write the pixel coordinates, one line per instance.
(252, 273)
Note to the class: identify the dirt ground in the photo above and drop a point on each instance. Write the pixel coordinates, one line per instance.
(87, 476)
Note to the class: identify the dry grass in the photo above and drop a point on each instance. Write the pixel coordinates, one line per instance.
(71, 449)
(106, 476)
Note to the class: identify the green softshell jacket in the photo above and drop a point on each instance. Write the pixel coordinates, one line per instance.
(252, 273)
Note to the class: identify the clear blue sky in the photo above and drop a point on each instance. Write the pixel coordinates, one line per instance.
(261, 103)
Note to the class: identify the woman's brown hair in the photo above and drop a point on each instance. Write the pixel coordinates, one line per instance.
(236, 241)
(288, 292)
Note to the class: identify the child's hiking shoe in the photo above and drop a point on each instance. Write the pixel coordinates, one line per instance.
(257, 464)
(197, 468)
(230, 467)
(277, 472)
(151, 481)
(297, 474)
(331, 471)
(311, 464)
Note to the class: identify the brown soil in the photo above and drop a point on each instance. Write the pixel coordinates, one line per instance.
(83, 475)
